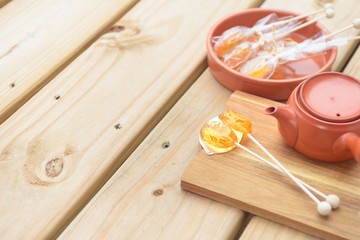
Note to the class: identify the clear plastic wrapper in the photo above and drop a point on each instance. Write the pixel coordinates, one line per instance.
(247, 50)
(263, 66)
(233, 37)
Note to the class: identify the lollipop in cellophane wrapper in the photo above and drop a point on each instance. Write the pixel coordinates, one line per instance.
(229, 39)
(268, 45)
(264, 65)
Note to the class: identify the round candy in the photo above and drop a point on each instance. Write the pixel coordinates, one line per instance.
(324, 208)
(333, 200)
(236, 121)
(218, 136)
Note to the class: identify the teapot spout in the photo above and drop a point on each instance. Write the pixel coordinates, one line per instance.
(348, 141)
(287, 122)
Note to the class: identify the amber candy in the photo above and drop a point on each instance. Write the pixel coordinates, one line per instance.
(236, 121)
(238, 55)
(226, 45)
(259, 67)
(218, 137)
(232, 38)
(262, 72)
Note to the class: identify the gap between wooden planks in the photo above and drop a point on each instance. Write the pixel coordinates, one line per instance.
(4, 2)
(63, 144)
(39, 38)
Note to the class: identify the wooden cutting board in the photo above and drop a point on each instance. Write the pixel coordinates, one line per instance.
(240, 180)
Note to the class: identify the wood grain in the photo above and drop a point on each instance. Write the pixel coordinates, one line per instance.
(260, 228)
(144, 197)
(264, 192)
(343, 17)
(38, 38)
(63, 144)
(353, 67)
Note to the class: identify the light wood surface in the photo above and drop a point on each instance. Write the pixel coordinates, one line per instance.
(38, 38)
(264, 192)
(260, 228)
(144, 197)
(344, 15)
(353, 67)
(64, 143)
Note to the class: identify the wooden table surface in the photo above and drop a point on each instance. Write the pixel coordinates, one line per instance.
(101, 103)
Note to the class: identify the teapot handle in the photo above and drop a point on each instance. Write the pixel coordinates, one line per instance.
(350, 141)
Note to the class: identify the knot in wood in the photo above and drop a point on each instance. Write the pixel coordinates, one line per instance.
(54, 167)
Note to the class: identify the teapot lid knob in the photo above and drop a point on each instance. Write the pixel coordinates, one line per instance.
(331, 96)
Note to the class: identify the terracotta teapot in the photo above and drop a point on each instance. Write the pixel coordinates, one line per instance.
(322, 117)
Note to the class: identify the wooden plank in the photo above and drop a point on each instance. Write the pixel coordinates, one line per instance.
(264, 192)
(260, 228)
(144, 197)
(63, 144)
(343, 17)
(38, 38)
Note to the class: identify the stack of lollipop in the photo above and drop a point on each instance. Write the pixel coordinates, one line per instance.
(259, 50)
(226, 131)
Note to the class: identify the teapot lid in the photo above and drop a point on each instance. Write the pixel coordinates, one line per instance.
(331, 96)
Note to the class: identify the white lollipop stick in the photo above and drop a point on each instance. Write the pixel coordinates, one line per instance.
(324, 208)
(331, 198)
(329, 13)
(279, 169)
(327, 6)
(354, 38)
(355, 24)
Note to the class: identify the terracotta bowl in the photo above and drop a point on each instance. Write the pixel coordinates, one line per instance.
(276, 89)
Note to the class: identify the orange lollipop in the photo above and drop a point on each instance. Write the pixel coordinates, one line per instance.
(230, 39)
(240, 54)
(236, 121)
(218, 137)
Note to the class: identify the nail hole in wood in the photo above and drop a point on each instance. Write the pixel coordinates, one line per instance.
(12, 85)
(57, 97)
(117, 126)
(166, 145)
(117, 28)
(158, 192)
